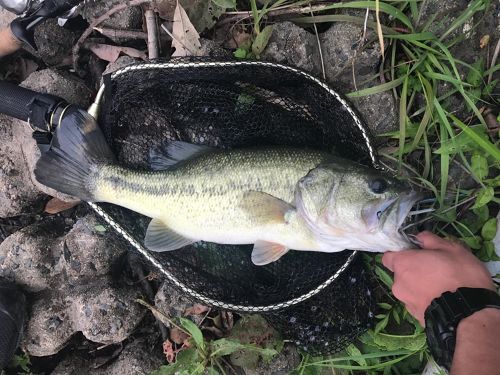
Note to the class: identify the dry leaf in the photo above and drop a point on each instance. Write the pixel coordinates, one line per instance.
(55, 205)
(168, 350)
(111, 53)
(484, 41)
(178, 336)
(196, 309)
(185, 38)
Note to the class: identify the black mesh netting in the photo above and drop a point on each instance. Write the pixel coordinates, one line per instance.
(320, 301)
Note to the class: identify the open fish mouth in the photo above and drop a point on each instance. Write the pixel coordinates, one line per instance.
(401, 212)
(416, 214)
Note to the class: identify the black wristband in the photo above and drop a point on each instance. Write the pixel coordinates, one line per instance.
(445, 313)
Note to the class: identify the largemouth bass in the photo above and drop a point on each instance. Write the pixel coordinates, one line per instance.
(276, 198)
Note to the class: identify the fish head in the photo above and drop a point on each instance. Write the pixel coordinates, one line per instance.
(349, 206)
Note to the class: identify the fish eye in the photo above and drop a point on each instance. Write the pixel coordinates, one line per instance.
(378, 186)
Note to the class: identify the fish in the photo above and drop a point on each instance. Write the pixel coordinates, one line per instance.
(276, 198)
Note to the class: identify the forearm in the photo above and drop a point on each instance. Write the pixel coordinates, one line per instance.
(476, 350)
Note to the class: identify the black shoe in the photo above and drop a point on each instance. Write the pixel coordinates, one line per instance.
(12, 316)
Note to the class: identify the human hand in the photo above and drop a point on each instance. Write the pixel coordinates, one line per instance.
(440, 266)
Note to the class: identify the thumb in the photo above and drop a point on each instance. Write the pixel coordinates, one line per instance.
(388, 259)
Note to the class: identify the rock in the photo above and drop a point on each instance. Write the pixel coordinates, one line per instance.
(17, 191)
(54, 42)
(443, 13)
(121, 62)
(343, 57)
(61, 84)
(26, 257)
(85, 253)
(105, 313)
(284, 363)
(136, 359)
(341, 48)
(127, 19)
(292, 45)
(72, 365)
(209, 48)
(6, 18)
(40, 256)
(173, 304)
(379, 111)
(49, 327)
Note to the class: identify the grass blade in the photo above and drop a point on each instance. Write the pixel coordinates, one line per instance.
(487, 146)
(376, 89)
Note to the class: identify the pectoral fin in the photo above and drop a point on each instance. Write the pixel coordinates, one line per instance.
(265, 252)
(159, 237)
(265, 207)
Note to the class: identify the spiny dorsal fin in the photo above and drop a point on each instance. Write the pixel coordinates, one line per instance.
(265, 207)
(174, 153)
(159, 237)
(265, 252)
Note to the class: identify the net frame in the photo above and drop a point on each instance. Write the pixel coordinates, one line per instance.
(154, 262)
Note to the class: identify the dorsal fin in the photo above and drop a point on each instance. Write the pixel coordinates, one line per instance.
(174, 153)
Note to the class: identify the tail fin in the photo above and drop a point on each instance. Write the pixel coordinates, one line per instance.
(77, 150)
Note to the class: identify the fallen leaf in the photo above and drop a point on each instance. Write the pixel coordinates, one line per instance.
(196, 309)
(185, 38)
(178, 336)
(111, 53)
(168, 350)
(484, 41)
(55, 205)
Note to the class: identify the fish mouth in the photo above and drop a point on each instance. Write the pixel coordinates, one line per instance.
(397, 212)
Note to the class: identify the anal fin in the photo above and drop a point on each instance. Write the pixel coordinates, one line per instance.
(159, 237)
(265, 252)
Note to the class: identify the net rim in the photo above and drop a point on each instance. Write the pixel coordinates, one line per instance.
(147, 255)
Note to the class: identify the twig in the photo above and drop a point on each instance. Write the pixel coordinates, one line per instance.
(97, 21)
(118, 33)
(152, 34)
(494, 60)
(319, 45)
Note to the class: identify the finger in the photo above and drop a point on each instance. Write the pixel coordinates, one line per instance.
(430, 241)
(388, 259)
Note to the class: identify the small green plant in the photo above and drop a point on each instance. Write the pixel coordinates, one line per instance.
(205, 356)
